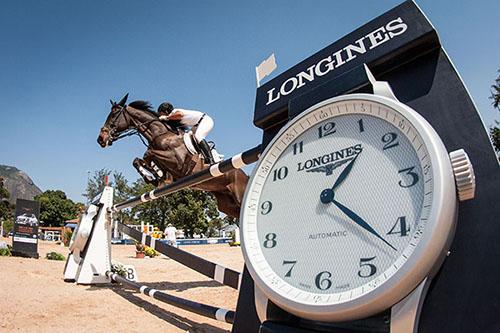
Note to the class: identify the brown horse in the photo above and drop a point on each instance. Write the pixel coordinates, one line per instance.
(167, 158)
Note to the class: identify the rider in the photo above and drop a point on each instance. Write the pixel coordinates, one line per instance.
(202, 121)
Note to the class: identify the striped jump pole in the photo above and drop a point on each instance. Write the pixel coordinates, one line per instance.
(221, 274)
(199, 308)
(236, 162)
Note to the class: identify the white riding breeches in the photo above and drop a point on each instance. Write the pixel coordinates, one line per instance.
(204, 127)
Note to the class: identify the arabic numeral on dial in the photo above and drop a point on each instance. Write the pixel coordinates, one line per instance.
(280, 173)
(298, 147)
(266, 206)
(265, 169)
(317, 298)
(412, 174)
(402, 124)
(327, 129)
(366, 268)
(270, 241)
(361, 126)
(323, 281)
(289, 262)
(275, 281)
(400, 227)
(390, 140)
(426, 168)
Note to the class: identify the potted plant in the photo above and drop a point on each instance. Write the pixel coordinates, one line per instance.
(140, 250)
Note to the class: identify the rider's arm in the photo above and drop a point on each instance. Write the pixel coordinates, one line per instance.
(175, 115)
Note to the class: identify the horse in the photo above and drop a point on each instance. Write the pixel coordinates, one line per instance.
(167, 158)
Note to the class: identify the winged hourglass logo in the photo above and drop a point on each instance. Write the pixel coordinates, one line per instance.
(329, 162)
(328, 168)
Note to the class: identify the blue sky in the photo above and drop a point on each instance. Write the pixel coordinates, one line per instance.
(61, 62)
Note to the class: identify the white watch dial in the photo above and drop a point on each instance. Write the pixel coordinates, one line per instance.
(338, 203)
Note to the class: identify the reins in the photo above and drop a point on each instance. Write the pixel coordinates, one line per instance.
(136, 127)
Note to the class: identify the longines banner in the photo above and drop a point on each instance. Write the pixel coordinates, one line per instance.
(392, 33)
(25, 238)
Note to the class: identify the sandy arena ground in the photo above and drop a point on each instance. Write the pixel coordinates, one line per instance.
(34, 297)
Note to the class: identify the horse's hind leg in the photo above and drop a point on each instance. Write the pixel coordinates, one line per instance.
(237, 184)
(230, 198)
(227, 205)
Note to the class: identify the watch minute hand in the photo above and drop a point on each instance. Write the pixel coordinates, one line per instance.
(359, 221)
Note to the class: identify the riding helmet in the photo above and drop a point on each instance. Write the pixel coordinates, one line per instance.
(165, 107)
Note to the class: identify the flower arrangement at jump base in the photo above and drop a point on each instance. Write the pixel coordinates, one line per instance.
(142, 250)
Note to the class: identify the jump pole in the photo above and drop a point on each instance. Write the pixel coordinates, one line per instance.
(221, 274)
(209, 311)
(236, 162)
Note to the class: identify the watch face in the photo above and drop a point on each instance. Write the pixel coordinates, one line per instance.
(338, 204)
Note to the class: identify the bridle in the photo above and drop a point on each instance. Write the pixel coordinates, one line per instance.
(135, 127)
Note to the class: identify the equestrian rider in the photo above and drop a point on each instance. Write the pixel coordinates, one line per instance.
(202, 121)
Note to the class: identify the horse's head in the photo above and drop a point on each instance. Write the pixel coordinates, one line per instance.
(115, 123)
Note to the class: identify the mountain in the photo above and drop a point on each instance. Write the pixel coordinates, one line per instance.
(18, 183)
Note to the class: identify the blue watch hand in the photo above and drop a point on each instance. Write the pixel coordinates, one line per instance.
(328, 194)
(359, 221)
(343, 175)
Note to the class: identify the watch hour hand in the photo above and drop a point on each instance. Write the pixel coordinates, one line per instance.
(359, 221)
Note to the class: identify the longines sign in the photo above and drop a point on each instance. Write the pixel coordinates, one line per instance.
(372, 40)
(396, 31)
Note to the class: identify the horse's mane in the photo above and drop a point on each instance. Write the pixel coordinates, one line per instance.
(171, 125)
(143, 105)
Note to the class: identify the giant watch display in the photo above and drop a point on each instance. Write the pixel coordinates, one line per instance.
(352, 205)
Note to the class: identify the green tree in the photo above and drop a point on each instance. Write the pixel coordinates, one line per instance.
(56, 208)
(190, 210)
(153, 212)
(96, 184)
(495, 130)
(122, 191)
(5, 207)
(193, 211)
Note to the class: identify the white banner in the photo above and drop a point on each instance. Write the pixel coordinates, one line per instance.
(265, 68)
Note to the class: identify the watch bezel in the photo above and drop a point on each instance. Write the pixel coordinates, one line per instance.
(428, 254)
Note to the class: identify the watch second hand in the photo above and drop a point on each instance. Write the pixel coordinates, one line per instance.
(359, 221)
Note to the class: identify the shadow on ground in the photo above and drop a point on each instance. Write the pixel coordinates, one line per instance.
(172, 318)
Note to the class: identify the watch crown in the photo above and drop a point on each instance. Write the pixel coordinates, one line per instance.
(464, 174)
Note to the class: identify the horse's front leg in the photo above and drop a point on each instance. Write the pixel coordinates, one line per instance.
(157, 168)
(146, 173)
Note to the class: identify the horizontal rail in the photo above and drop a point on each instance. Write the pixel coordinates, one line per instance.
(216, 272)
(209, 311)
(236, 162)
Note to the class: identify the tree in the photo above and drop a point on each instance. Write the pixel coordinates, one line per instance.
(495, 130)
(56, 208)
(96, 184)
(153, 212)
(190, 210)
(122, 191)
(6, 209)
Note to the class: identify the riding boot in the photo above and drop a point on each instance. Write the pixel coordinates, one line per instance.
(205, 150)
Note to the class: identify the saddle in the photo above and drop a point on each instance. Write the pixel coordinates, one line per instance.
(193, 147)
